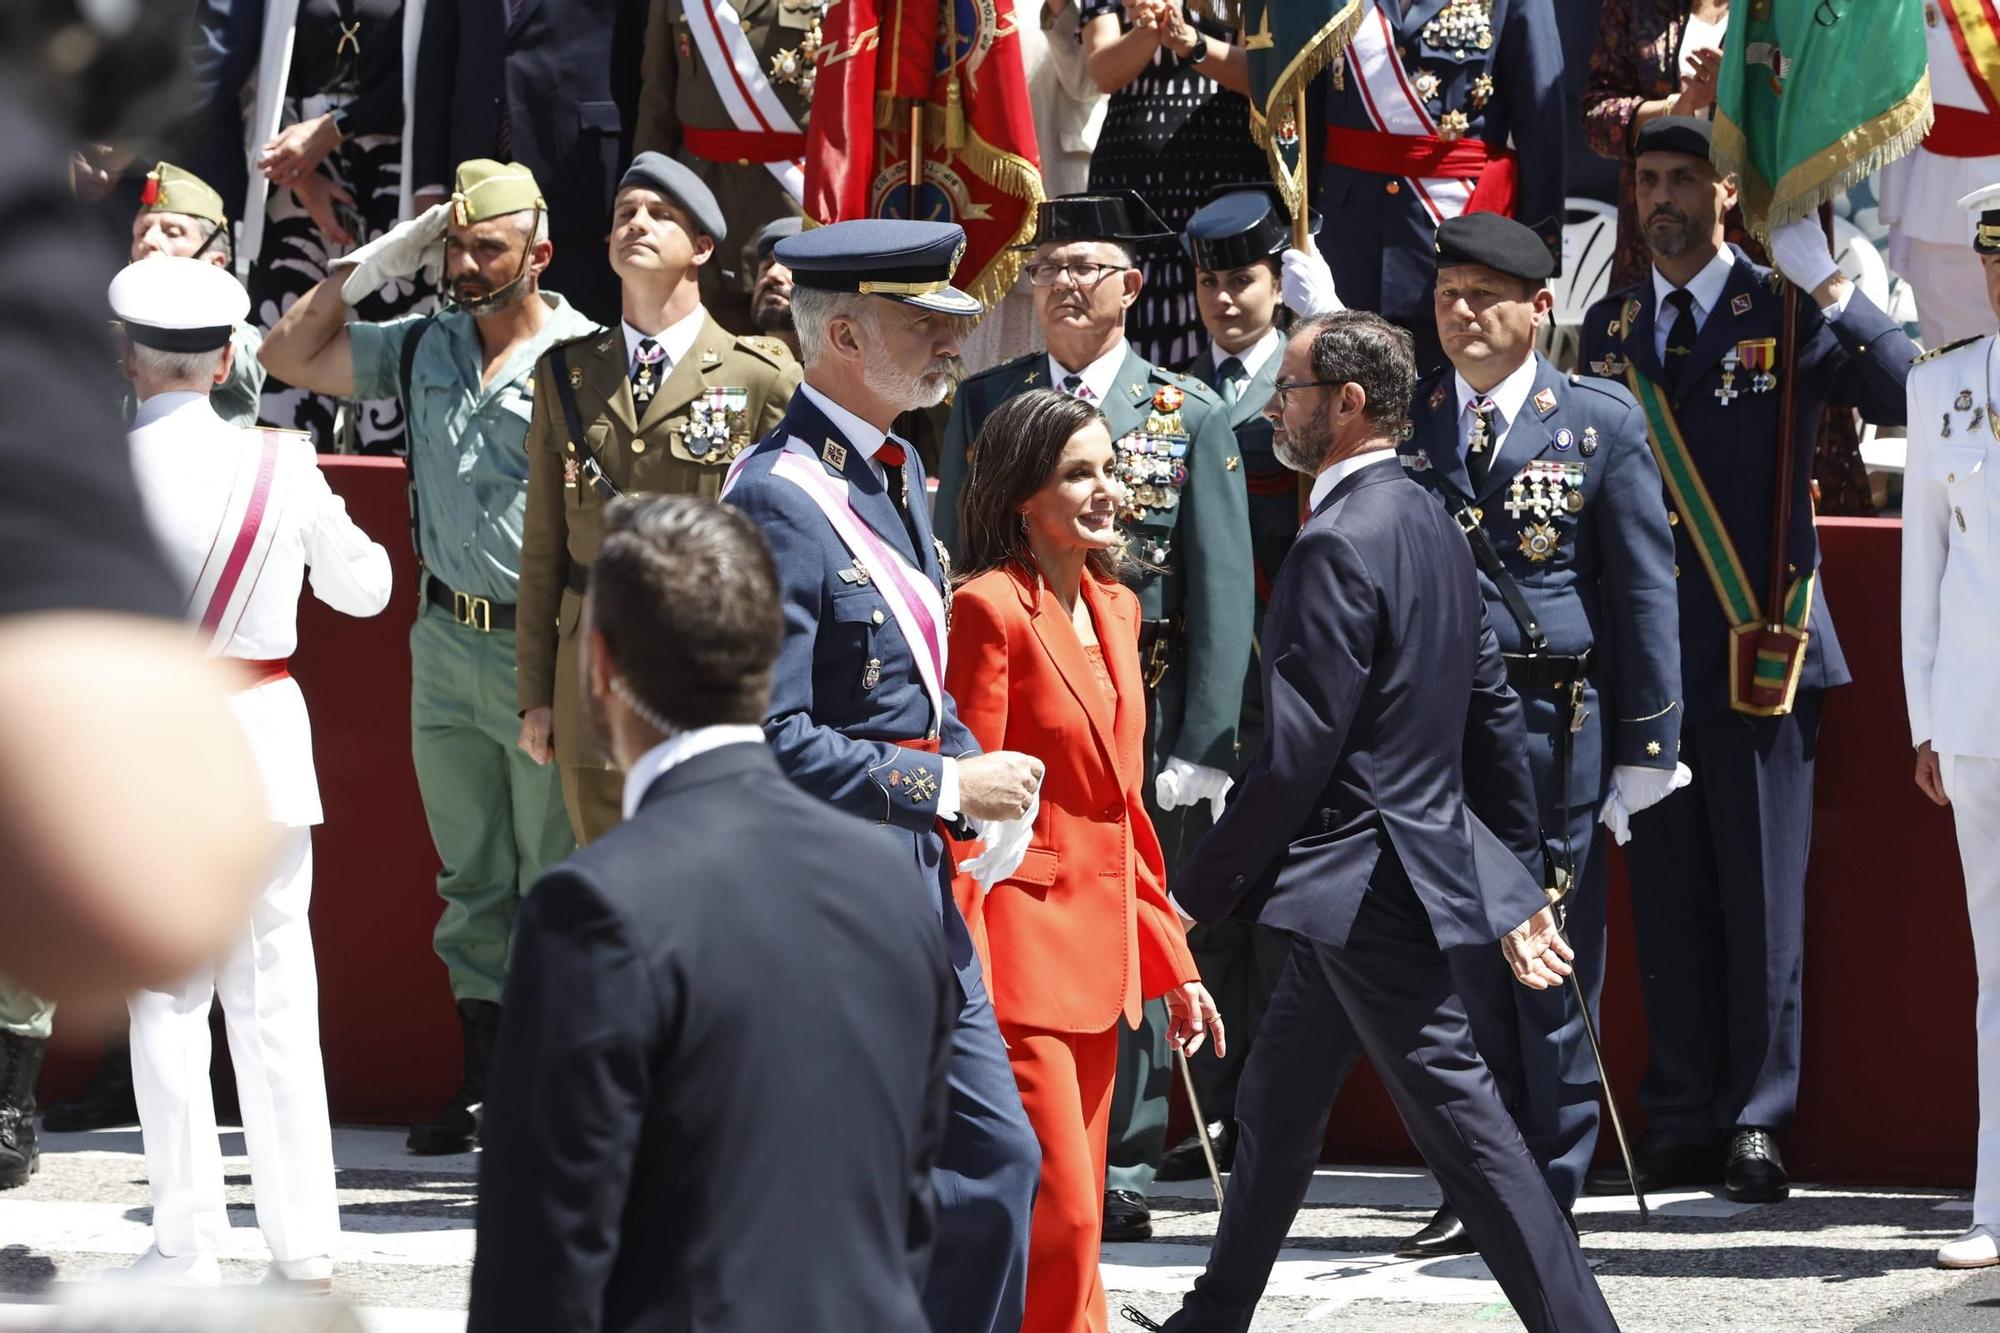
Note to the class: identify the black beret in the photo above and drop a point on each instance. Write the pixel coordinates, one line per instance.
(657, 171)
(1496, 242)
(1675, 134)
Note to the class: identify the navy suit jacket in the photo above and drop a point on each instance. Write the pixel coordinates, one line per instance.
(1385, 695)
(1859, 360)
(836, 724)
(701, 1003)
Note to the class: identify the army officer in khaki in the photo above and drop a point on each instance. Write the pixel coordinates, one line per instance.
(662, 403)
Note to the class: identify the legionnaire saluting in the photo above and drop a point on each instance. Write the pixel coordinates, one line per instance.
(726, 88)
(1720, 869)
(465, 377)
(1187, 520)
(665, 402)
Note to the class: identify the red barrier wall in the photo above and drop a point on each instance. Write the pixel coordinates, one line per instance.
(1889, 1081)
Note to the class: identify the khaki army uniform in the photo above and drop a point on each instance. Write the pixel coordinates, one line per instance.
(716, 402)
(682, 114)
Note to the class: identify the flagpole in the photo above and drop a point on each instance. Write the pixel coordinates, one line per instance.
(916, 151)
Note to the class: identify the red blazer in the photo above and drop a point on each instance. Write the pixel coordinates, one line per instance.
(1082, 933)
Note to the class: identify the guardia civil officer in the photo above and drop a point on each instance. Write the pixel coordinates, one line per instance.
(1436, 98)
(663, 403)
(208, 485)
(1951, 637)
(1719, 869)
(1187, 518)
(466, 378)
(859, 714)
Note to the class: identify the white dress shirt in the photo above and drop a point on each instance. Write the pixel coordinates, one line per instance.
(1100, 377)
(1509, 396)
(1253, 357)
(1706, 289)
(677, 749)
(676, 340)
(1324, 483)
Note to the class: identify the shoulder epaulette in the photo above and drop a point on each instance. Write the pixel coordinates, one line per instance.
(1608, 388)
(766, 349)
(1936, 352)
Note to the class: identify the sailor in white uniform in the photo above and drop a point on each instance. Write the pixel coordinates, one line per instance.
(243, 515)
(1951, 637)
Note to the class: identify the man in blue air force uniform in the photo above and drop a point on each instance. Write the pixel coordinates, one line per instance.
(1720, 869)
(859, 716)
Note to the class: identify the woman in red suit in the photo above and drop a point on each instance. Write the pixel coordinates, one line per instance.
(1045, 660)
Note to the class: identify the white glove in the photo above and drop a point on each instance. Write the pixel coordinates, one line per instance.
(1006, 845)
(1633, 789)
(1181, 783)
(1800, 251)
(400, 252)
(1307, 283)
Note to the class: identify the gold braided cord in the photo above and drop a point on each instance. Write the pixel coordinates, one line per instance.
(1322, 50)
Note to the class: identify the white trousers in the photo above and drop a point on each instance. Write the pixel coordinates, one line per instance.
(1951, 291)
(1973, 784)
(270, 1003)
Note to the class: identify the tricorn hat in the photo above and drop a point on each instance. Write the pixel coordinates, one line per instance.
(1239, 225)
(1111, 215)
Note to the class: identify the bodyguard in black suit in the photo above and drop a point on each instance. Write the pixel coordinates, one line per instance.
(551, 84)
(1351, 830)
(706, 997)
(1719, 869)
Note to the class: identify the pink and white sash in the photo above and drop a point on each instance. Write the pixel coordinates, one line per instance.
(738, 75)
(242, 541)
(1394, 107)
(916, 604)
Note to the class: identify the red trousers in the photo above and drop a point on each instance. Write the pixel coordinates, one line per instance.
(1065, 1080)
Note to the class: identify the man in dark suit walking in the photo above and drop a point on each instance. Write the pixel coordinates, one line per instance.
(670, 1063)
(1386, 697)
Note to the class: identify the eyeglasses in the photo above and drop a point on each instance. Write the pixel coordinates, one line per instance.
(1283, 387)
(1084, 275)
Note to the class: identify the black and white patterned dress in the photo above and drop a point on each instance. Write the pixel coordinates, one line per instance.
(1172, 135)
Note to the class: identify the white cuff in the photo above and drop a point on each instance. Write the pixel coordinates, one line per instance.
(947, 806)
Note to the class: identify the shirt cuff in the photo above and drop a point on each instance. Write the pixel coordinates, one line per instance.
(947, 806)
(1839, 306)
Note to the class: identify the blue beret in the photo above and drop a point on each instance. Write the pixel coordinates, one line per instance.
(657, 171)
(1496, 242)
(1238, 226)
(906, 261)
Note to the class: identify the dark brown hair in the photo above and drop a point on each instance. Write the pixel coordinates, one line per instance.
(1360, 347)
(686, 595)
(1017, 449)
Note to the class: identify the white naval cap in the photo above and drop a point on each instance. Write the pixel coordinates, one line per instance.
(1985, 201)
(178, 305)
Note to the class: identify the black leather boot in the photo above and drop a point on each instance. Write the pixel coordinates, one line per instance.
(107, 1103)
(456, 1128)
(20, 1061)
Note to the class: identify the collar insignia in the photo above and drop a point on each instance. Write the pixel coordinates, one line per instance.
(1740, 304)
(834, 456)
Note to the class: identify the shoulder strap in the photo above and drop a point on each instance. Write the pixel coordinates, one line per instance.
(1490, 564)
(573, 423)
(405, 377)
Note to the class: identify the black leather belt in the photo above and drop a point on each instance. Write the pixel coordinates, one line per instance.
(579, 578)
(480, 613)
(1546, 671)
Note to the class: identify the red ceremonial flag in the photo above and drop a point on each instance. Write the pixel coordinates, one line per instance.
(959, 62)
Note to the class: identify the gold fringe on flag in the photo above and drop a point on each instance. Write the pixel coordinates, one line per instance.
(1324, 48)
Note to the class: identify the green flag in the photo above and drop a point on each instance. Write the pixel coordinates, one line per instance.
(1287, 43)
(1813, 96)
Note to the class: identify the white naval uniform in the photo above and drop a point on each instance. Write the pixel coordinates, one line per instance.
(186, 459)
(1930, 236)
(1951, 638)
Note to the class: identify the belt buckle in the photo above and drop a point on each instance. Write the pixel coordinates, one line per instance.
(1469, 518)
(474, 611)
(1156, 662)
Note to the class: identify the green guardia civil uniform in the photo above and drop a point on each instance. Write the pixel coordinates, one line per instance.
(496, 817)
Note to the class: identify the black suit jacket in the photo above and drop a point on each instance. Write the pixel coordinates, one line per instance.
(1387, 709)
(720, 1078)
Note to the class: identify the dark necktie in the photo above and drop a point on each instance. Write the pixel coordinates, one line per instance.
(647, 366)
(1680, 336)
(1074, 386)
(1230, 376)
(1480, 444)
(892, 457)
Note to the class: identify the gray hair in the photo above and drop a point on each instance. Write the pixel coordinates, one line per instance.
(177, 367)
(535, 225)
(814, 310)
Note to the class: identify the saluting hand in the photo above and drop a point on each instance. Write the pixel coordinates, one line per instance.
(998, 785)
(1537, 952)
(1193, 1017)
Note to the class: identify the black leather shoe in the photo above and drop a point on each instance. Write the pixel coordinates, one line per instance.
(456, 1128)
(107, 1102)
(1661, 1166)
(1445, 1235)
(1185, 1161)
(20, 1061)
(1126, 1217)
(1756, 1174)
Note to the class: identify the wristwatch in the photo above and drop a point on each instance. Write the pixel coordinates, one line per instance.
(1200, 51)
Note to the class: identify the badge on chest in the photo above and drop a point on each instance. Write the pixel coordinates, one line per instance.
(1152, 461)
(1537, 495)
(718, 426)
